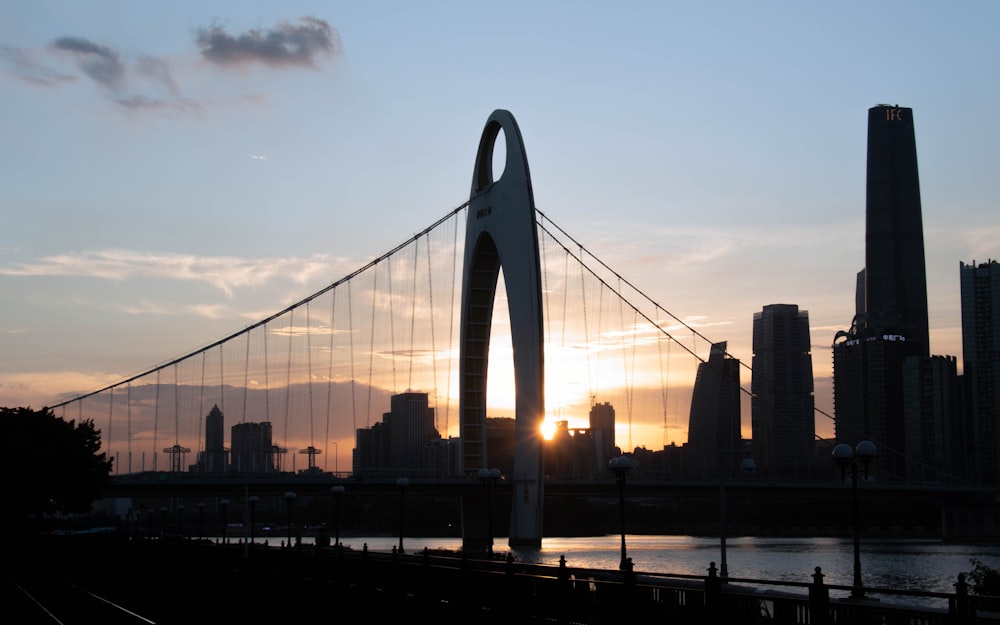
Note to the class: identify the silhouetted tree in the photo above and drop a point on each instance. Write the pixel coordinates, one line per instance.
(55, 466)
(985, 580)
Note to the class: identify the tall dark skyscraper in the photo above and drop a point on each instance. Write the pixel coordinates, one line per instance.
(895, 271)
(714, 423)
(891, 297)
(783, 409)
(981, 364)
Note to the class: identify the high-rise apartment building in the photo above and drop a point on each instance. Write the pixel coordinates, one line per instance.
(937, 440)
(869, 358)
(253, 449)
(714, 424)
(980, 288)
(783, 408)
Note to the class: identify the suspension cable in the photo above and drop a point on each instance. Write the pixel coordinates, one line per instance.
(329, 377)
(276, 315)
(413, 314)
(430, 297)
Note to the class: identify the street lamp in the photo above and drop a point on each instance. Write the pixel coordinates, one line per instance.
(747, 467)
(621, 466)
(225, 504)
(489, 479)
(163, 522)
(337, 491)
(402, 483)
(180, 520)
(252, 500)
(846, 458)
(290, 498)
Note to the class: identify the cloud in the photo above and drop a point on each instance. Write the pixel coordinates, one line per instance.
(101, 63)
(286, 44)
(225, 273)
(22, 65)
(157, 71)
(143, 103)
(145, 85)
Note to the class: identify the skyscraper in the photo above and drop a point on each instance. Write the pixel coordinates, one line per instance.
(783, 409)
(602, 428)
(411, 429)
(714, 424)
(214, 458)
(981, 364)
(405, 441)
(868, 359)
(895, 271)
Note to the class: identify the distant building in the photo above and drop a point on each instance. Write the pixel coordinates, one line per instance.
(981, 364)
(500, 444)
(714, 423)
(215, 458)
(572, 454)
(868, 393)
(937, 442)
(783, 408)
(602, 428)
(253, 450)
(405, 443)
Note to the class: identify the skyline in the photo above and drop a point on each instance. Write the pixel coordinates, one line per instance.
(171, 177)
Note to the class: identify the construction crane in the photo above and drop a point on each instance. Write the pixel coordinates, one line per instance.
(177, 454)
(312, 452)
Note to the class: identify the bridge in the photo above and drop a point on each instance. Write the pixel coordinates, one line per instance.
(425, 318)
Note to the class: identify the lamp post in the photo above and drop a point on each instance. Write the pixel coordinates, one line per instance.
(854, 459)
(180, 520)
(336, 459)
(402, 483)
(290, 498)
(163, 522)
(252, 500)
(225, 504)
(337, 491)
(621, 466)
(747, 467)
(489, 479)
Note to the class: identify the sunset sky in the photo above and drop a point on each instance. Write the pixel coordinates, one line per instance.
(175, 171)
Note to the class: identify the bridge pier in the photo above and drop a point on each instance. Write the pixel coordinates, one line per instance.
(501, 232)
